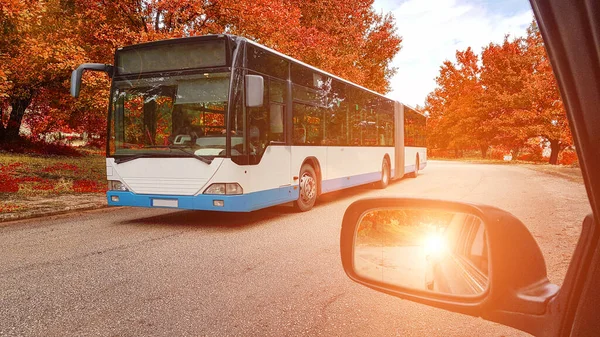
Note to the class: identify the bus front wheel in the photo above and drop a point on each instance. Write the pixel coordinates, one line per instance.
(308, 188)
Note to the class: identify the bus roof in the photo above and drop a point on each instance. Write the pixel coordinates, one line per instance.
(312, 67)
(289, 58)
(322, 71)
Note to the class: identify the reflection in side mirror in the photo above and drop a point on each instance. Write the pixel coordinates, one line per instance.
(254, 91)
(438, 251)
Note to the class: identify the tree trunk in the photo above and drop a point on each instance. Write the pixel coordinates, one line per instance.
(2, 128)
(515, 152)
(484, 150)
(555, 148)
(16, 118)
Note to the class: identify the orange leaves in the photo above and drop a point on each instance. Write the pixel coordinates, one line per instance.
(456, 121)
(508, 98)
(45, 40)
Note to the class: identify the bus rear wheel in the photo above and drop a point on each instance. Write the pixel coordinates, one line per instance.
(385, 174)
(308, 188)
(416, 172)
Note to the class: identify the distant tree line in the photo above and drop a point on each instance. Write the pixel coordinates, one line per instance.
(506, 98)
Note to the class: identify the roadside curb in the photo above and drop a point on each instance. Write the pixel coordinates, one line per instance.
(8, 219)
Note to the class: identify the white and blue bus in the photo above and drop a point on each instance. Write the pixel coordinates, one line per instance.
(222, 123)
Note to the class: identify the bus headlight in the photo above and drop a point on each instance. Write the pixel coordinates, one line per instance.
(115, 185)
(222, 188)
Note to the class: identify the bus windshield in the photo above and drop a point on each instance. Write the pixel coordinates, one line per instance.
(170, 116)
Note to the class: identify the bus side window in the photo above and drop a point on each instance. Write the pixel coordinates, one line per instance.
(276, 118)
(277, 101)
(299, 134)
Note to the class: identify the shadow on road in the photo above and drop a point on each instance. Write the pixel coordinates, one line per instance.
(226, 220)
(212, 220)
(351, 192)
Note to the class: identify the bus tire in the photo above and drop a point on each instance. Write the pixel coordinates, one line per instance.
(385, 174)
(416, 172)
(308, 185)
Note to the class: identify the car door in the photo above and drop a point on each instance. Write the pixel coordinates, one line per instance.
(518, 292)
(571, 32)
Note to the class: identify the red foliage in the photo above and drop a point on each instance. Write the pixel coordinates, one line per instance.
(568, 158)
(8, 184)
(88, 186)
(497, 154)
(44, 185)
(30, 180)
(10, 168)
(532, 156)
(39, 147)
(61, 167)
(442, 153)
(7, 208)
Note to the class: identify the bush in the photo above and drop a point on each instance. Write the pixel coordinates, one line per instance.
(442, 153)
(88, 186)
(496, 154)
(568, 158)
(38, 147)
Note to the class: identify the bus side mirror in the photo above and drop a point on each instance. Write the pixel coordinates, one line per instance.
(254, 90)
(77, 73)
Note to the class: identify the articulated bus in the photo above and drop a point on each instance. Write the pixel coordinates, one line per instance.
(222, 123)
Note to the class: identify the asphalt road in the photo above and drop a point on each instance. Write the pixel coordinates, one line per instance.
(126, 272)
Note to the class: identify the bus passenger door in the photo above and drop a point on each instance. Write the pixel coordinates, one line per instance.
(267, 144)
(398, 168)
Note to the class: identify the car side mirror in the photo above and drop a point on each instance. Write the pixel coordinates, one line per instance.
(473, 259)
(255, 88)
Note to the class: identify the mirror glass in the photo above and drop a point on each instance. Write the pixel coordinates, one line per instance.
(431, 250)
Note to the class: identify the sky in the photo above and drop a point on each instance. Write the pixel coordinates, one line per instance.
(432, 31)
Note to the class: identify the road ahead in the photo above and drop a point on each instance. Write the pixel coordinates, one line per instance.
(126, 272)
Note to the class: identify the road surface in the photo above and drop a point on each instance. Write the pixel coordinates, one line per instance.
(404, 266)
(131, 272)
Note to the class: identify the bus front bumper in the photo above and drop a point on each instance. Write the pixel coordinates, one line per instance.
(207, 202)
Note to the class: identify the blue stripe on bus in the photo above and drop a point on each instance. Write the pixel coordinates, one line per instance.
(411, 168)
(232, 203)
(345, 182)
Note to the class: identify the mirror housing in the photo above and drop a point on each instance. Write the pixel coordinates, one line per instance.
(77, 73)
(518, 292)
(255, 89)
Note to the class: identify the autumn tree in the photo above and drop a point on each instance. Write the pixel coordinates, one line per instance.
(47, 39)
(39, 51)
(454, 109)
(505, 104)
(511, 98)
(549, 117)
(347, 38)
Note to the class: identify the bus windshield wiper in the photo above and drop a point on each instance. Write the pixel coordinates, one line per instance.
(192, 154)
(120, 160)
